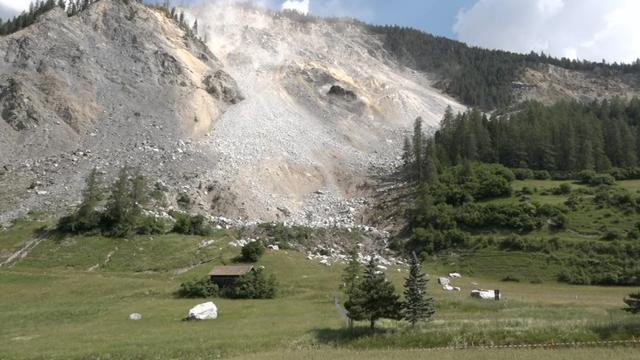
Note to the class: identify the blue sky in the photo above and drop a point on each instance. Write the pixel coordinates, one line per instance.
(580, 29)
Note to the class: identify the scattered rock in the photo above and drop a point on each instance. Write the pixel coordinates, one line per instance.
(205, 311)
(135, 317)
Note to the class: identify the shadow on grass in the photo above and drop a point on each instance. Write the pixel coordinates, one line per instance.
(345, 336)
(617, 330)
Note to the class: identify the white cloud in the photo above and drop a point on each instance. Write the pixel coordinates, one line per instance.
(584, 29)
(301, 6)
(17, 5)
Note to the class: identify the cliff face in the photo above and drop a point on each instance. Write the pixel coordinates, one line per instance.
(118, 83)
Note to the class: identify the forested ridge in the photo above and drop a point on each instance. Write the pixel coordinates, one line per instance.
(478, 77)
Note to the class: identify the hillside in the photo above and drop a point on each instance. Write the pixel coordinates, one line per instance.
(123, 84)
(275, 116)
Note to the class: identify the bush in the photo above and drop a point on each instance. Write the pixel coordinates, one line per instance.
(510, 278)
(191, 225)
(253, 251)
(589, 177)
(523, 173)
(254, 285)
(200, 288)
(183, 200)
(541, 175)
(150, 225)
(563, 189)
(559, 222)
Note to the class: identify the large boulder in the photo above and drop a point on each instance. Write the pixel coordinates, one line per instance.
(205, 311)
(223, 87)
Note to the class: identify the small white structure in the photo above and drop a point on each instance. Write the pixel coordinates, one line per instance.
(455, 276)
(135, 317)
(486, 294)
(205, 311)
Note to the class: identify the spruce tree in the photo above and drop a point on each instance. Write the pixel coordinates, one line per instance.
(87, 216)
(633, 303)
(417, 305)
(376, 296)
(418, 149)
(350, 282)
(120, 208)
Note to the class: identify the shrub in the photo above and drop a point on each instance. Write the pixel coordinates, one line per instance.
(199, 288)
(559, 222)
(589, 177)
(253, 251)
(191, 225)
(633, 303)
(541, 175)
(149, 225)
(563, 189)
(510, 278)
(183, 200)
(254, 285)
(523, 173)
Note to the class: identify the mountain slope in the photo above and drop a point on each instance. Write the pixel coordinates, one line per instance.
(318, 112)
(118, 83)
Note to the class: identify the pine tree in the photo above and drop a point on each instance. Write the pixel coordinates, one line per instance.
(87, 215)
(376, 296)
(350, 282)
(62, 4)
(418, 148)
(417, 306)
(407, 154)
(119, 214)
(194, 29)
(633, 303)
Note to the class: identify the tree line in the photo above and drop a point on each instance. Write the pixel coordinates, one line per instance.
(564, 137)
(125, 208)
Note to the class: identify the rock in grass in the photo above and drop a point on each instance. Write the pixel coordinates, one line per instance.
(135, 317)
(205, 311)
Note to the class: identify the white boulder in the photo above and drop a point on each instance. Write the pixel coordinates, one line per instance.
(205, 311)
(455, 275)
(135, 317)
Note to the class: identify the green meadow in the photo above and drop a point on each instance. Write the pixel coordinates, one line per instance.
(70, 299)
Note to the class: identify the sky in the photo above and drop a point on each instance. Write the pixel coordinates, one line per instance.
(577, 29)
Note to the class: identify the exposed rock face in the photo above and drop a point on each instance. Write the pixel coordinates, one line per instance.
(15, 106)
(223, 87)
(339, 91)
(549, 84)
(117, 84)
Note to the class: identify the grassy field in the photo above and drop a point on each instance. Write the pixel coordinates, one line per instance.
(70, 299)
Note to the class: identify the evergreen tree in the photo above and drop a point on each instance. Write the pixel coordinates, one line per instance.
(86, 217)
(91, 196)
(418, 148)
(417, 305)
(194, 29)
(407, 154)
(376, 296)
(350, 282)
(633, 303)
(120, 216)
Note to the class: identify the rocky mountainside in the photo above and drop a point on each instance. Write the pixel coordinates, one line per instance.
(272, 117)
(116, 84)
(315, 113)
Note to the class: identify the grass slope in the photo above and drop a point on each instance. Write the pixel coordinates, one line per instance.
(70, 299)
